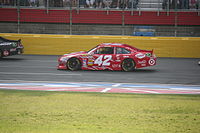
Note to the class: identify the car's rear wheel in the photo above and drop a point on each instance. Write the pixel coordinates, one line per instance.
(128, 65)
(1, 54)
(74, 64)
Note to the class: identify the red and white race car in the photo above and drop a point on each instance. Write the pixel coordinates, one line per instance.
(108, 56)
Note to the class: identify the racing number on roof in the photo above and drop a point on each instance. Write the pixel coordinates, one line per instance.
(103, 60)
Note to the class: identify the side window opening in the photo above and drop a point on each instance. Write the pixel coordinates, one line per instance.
(105, 50)
(120, 50)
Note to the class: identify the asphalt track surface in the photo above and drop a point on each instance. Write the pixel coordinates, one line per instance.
(43, 68)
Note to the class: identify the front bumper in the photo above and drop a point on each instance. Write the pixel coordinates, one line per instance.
(61, 66)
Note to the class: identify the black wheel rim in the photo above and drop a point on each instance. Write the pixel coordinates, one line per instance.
(73, 64)
(128, 65)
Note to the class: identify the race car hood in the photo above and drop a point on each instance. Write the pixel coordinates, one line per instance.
(65, 57)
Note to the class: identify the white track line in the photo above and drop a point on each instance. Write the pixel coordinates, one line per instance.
(106, 89)
(116, 85)
(102, 87)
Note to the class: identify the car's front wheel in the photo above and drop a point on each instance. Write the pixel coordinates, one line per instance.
(1, 54)
(128, 65)
(73, 64)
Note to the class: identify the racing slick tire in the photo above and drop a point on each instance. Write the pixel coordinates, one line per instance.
(74, 64)
(128, 65)
(1, 54)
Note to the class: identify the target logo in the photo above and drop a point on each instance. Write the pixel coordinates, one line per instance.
(140, 55)
(152, 62)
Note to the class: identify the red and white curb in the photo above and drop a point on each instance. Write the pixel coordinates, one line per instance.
(103, 87)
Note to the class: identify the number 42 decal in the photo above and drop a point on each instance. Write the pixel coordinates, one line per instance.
(103, 60)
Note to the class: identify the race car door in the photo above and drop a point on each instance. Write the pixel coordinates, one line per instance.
(102, 58)
(120, 54)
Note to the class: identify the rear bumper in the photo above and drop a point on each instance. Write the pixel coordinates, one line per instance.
(146, 62)
(152, 62)
(17, 51)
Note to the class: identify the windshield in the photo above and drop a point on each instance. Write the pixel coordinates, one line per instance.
(92, 49)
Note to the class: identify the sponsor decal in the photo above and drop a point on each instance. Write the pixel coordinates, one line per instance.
(84, 56)
(152, 62)
(140, 55)
(126, 56)
(8, 43)
(13, 49)
(14, 44)
(103, 60)
(84, 62)
(115, 65)
(142, 62)
(90, 62)
(148, 54)
(5, 44)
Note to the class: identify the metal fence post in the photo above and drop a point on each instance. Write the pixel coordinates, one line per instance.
(47, 6)
(15, 3)
(175, 19)
(123, 23)
(18, 16)
(198, 6)
(70, 18)
(158, 12)
(168, 7)
(78, 7)
(132, 8)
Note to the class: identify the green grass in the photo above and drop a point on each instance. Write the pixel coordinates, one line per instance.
(65, 112)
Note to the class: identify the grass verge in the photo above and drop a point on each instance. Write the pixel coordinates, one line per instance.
(65, 112)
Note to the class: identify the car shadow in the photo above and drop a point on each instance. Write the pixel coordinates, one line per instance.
(117, 71)
(145, 70)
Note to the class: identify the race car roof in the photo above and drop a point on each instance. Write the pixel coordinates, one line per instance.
(118, 44)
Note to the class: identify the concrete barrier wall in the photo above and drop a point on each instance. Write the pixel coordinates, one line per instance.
(60, 44)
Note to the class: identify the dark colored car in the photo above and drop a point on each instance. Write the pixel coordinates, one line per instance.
(10, 47)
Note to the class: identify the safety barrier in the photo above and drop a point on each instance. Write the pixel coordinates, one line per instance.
(44, 44)
(99, 17)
